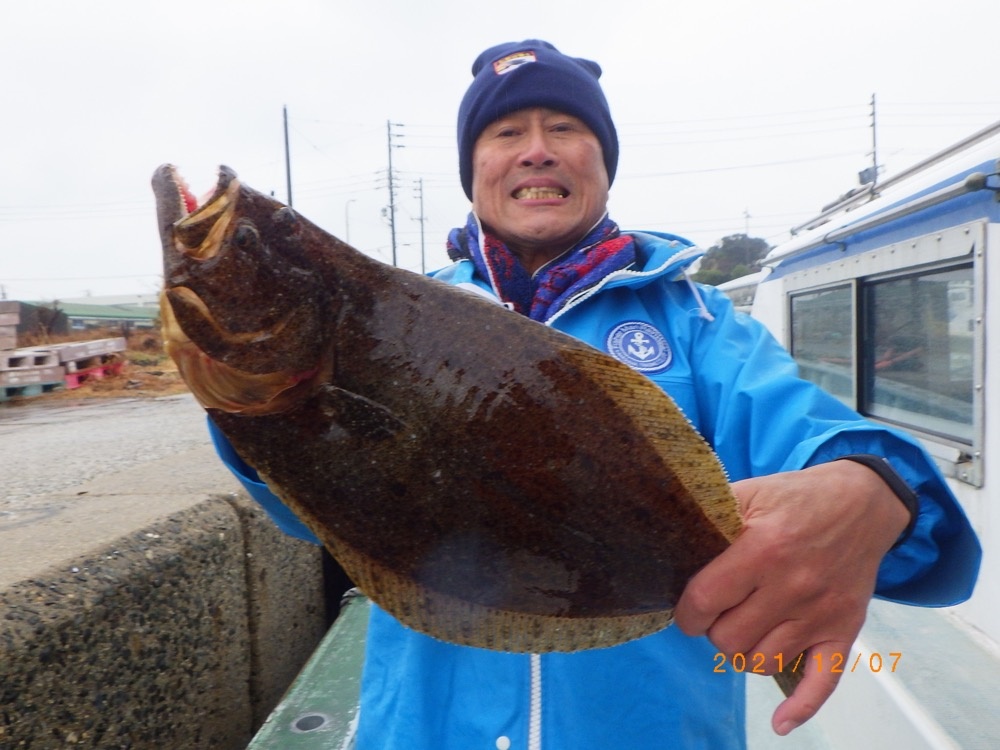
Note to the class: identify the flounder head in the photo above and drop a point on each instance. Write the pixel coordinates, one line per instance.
(243, 317)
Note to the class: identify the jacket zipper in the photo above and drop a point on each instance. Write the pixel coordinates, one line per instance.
(535, 711)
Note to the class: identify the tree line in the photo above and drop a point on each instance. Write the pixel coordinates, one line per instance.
(732, 257)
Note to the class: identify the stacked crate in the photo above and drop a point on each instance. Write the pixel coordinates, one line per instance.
(87, 360)
(10, 316)
(34, 371)
(29, 372)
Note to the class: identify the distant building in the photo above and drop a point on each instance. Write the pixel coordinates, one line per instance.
(20, 319)
(88, 316)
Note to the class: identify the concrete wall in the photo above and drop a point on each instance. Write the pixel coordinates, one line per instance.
(160, 611)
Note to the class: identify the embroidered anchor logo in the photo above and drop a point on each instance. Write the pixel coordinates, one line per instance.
(640, 345)
(637, 346)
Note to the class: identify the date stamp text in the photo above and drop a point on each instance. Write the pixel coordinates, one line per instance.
(837, 663)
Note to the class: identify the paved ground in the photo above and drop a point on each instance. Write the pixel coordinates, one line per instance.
(48, 446)
(75, 474)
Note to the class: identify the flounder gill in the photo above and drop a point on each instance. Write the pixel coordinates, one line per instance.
(486, 479)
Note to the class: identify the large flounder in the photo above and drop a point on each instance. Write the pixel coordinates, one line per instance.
(486, 479)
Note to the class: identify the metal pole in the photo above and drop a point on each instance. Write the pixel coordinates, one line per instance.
(423, 265)
(288, 160)
(392, 195)
(874, 144)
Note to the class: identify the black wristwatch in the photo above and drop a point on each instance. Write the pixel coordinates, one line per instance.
(907, 496)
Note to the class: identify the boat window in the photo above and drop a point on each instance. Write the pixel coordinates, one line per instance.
(918, 351)
(822, 341)
(914, 364)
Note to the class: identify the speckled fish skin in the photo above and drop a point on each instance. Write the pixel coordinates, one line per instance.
(486, 479)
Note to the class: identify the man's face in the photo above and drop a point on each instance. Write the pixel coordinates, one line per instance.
(539, 182)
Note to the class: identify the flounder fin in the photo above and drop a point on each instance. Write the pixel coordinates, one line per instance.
(469, 624)
(685, 452)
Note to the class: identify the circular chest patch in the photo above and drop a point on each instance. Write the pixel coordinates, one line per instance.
(639, 345)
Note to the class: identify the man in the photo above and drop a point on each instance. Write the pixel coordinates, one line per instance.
(828, 522)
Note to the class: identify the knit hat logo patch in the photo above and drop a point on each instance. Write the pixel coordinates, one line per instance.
(511, 62)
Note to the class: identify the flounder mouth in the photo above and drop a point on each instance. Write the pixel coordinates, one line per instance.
(167, 179)
(199, 232)
(196, 225)
(238, 363)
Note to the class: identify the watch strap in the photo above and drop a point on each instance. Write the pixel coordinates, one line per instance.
(881, 466)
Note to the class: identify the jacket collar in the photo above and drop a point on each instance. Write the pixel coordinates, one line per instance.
(658, 255)
(661, 253)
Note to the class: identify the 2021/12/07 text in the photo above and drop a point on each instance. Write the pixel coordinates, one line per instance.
(757, 663)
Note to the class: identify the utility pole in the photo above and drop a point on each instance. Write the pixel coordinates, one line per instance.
(421, 219)
(288, 159)
(869, 175)
(392, 179)
(874, 144)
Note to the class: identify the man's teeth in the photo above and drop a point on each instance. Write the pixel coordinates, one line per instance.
(539, 193)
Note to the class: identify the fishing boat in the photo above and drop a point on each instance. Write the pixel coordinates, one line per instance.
(882, 299)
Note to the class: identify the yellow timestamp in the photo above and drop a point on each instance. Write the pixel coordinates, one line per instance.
(836, 663)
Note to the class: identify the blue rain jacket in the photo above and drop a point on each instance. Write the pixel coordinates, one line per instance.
(740, 389)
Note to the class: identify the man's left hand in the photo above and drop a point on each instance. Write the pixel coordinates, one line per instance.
(800, 575)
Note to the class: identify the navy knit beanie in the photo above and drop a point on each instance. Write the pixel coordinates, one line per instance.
(532, 73)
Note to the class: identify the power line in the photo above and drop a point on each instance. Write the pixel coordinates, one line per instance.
(735, 167)
(671, 141)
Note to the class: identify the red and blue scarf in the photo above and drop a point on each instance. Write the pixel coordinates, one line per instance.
(541, 295)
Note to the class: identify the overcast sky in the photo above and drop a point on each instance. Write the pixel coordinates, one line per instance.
(733, 116)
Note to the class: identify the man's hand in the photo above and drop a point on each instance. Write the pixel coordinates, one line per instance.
(800, 575)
